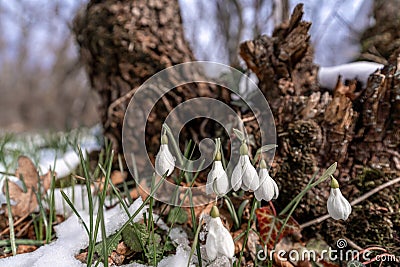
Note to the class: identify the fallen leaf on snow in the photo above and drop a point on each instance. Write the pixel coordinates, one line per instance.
(26, 202)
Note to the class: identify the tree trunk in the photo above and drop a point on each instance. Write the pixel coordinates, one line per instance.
(122, 44)
(357, 127)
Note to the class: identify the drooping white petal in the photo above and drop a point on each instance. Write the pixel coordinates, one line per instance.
(236, 178)
(164, 161)
(210, 182)
(276, 189)
(221, 184)
(219, 241)
(217, 179)
(250, 178)
(268, 188)
(211, 244)
(264, 191)
(338, 206)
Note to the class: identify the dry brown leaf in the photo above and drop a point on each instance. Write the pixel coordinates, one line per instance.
(82, 257)
(117, 177)
(140, 191)
(121, 248)
(251, 243)
(116, 259)
(25, 249)
(26, 202)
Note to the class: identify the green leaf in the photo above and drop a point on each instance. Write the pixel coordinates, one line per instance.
(232, 211)
(177, 215)
(239, 134)
(330, 171)
(154, 249)
(135, 236)
(241, 209)
(169, 246)
(98, 248)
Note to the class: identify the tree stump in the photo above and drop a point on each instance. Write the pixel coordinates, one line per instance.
(357, 127)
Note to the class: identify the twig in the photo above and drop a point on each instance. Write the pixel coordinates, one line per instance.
(23, 229)
(5, 231)
(375, 190)
(352, 244)
(354, 202)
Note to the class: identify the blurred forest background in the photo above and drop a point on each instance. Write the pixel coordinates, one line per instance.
(43, 85)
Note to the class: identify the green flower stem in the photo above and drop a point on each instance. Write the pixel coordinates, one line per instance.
(310, 185)
(246, 237)
(295, 202)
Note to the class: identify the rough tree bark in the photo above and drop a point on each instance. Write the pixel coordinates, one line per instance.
(122, 44)
(357, 127)
(383, 38)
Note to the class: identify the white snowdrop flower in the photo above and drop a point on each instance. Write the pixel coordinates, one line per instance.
(217, 179)
(165, 162)
(268, 188)
(338, 206)
(219, 241)
(244, 174)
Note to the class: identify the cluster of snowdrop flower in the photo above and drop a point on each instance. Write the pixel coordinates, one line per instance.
(244, 176)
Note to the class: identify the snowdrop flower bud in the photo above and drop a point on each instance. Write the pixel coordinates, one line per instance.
(338, 206)
(244, 174)
(219, 241)
(268, 189)
(217, 179)
(165, 162)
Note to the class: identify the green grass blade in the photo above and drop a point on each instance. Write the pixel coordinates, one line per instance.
(194, 223)
(10, 220)
(195, 243)
(232, 211)
(75, 211)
